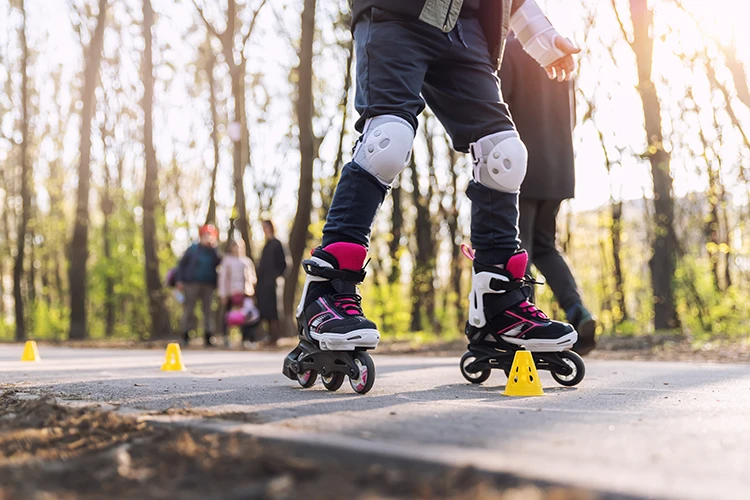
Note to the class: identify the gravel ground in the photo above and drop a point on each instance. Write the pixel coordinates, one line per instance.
(50, 451)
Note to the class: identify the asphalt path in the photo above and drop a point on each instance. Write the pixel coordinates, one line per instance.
(650, 429)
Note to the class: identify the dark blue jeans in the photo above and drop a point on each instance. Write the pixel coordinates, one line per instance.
(401, 64)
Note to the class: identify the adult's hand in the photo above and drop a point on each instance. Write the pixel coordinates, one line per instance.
(180, 286)
(563, 68)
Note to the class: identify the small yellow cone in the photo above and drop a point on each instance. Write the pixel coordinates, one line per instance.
(30, 352)
(524, 379)
(173, 359)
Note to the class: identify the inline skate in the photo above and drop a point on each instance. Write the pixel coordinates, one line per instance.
(503, 321)
(334, 333)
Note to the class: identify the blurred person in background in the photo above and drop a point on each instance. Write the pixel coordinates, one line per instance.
(270, 268)
(544, 114)
(196, 279)
(236, 280)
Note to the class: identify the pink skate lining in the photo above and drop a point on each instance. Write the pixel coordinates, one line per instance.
(516, 265)
(350, 256)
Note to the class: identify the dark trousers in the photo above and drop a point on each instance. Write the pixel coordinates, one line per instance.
(538, 225)
(401, 65)
(193, 293)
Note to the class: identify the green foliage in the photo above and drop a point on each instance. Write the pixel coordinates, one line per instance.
(389, 305)
(50, 322)
(706, 312)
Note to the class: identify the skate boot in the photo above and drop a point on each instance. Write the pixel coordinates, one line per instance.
(502, 321)
(586, 327)
(333, 331)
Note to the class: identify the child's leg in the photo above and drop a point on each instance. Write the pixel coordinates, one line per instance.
(392, 58)
(249, 333)
(189, 321)
(463, 92)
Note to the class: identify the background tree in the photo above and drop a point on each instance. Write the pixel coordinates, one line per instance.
(308, 152)
(79, 251)
(237, 71)
(160, 325)
(663, 261)
(25, 176)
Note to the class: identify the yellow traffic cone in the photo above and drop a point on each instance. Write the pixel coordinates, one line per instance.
(173, 359)
(30, 352)
(524, 379)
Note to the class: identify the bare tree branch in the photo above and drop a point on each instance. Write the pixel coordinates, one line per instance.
(739, 73)
(209, 26)
(622, 25)
(252, 25)
(711, 72)
(282, 28)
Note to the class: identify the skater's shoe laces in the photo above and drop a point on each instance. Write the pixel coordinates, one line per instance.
(349, 303)
(528, 307)
(532, 310)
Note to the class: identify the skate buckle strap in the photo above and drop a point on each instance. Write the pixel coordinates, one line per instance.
(506, 300)
(500, 285)
(312, 268)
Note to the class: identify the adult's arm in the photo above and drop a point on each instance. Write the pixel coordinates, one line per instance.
(541, 40)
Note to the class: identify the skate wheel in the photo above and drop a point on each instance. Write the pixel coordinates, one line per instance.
(366, 379)
(307, 379)
(333, 381)
(575, 362)
(473, 377)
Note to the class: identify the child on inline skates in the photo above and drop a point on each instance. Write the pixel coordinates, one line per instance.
(236, 281)
(445, 54)
(245, 314)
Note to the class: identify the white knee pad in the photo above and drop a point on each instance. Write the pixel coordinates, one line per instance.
(385, 147)
(500, 161)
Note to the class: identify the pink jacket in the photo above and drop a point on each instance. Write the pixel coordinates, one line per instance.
(236, 275)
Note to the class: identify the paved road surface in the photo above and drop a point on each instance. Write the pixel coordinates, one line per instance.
(664, 430)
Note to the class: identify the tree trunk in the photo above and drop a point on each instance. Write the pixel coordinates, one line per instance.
(304, 110)
(711, 229)
(31, 293)
(394, 245)
(210, 63)
(330, 186)
(109, 283)
(160, 324)
(5, 249)
(18, 274)
(431, 249)
(663, 260)
(240, 158)
(79, 252)
(452, 220)
(422, 290)
(727, 242)
(241, 146)
(616, 234)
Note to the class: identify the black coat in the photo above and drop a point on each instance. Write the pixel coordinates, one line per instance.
(272, 265)
(544, 113)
